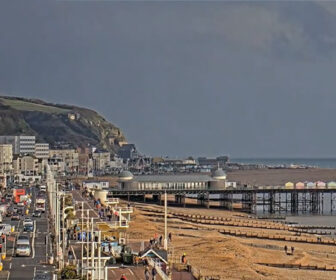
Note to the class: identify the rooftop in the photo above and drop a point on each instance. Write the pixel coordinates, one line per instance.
(173, 178)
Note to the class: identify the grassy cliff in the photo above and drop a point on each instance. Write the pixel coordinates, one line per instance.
(57, 123)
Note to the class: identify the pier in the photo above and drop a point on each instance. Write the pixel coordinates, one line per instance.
(251, 200)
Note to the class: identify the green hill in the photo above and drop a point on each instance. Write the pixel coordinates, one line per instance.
(55, 123)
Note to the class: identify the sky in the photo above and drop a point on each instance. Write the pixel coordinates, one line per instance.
(181, 78)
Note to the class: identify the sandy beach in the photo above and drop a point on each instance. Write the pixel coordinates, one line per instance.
(214, 254)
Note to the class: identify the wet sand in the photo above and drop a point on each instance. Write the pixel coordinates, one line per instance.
(264, 177)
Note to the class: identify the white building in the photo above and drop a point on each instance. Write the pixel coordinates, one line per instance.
(22, 144)
(26, 145)
(42, 150)
(100, 185)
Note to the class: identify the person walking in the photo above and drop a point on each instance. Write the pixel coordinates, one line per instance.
(286, 249)
(154, 272)
(184, 258)
(170, 237)
(147, 273)
(292, 248)
(123, 277)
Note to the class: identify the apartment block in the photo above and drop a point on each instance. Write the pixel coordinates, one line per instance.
(42, 150)
(6, 158)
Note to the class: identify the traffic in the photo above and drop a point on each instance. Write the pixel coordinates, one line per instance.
(24, 226)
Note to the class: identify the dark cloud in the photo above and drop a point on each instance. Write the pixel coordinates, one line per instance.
(182, 78)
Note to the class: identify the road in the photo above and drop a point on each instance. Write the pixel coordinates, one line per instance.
(33, 267)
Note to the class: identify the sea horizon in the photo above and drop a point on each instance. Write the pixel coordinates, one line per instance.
(287, 161)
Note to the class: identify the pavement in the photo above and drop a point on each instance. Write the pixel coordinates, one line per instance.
(115, 273)
(33, 267)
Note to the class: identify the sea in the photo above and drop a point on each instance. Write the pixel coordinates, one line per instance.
(304, 219)
(313, 162)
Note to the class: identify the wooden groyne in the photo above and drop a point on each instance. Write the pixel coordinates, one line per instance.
(301, 266)
(278, 237)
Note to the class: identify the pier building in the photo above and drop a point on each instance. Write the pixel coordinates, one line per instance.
(217, 180)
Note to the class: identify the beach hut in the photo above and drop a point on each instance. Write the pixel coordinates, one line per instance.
(289, 185)
(331, 185)
(320, 185)
(299, 185)
(310, 185)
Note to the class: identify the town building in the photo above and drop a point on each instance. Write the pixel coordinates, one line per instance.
(42, 150)
(101, 160)
(213, 162)
(6, 158)
(66, 159)
(21, 144)
(84, 162)
(96, 185)
(27, 165)
(128, 152)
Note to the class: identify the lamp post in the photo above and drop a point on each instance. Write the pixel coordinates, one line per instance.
(165, 242)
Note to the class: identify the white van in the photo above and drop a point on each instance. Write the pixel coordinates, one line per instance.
(5, 228)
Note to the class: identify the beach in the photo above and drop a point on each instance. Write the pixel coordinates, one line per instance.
(213, 254)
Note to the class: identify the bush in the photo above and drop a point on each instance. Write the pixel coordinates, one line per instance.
(69, 272)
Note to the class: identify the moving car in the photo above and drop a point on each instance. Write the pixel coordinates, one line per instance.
(22, 240)
(37, 213)
(27, 221)
(28, 228)
(20, 211)
(15, 217)
(22, 250)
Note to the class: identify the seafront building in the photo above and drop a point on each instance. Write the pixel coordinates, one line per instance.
(217, 180)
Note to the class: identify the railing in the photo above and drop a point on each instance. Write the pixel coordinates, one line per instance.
(158, 269)
(113, 200)
(124, 209)
(116, 224)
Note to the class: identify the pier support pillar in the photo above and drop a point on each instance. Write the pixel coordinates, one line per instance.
(200, 199)
(271, 202)
(294, 202)
(183, 200)
(207, 200)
